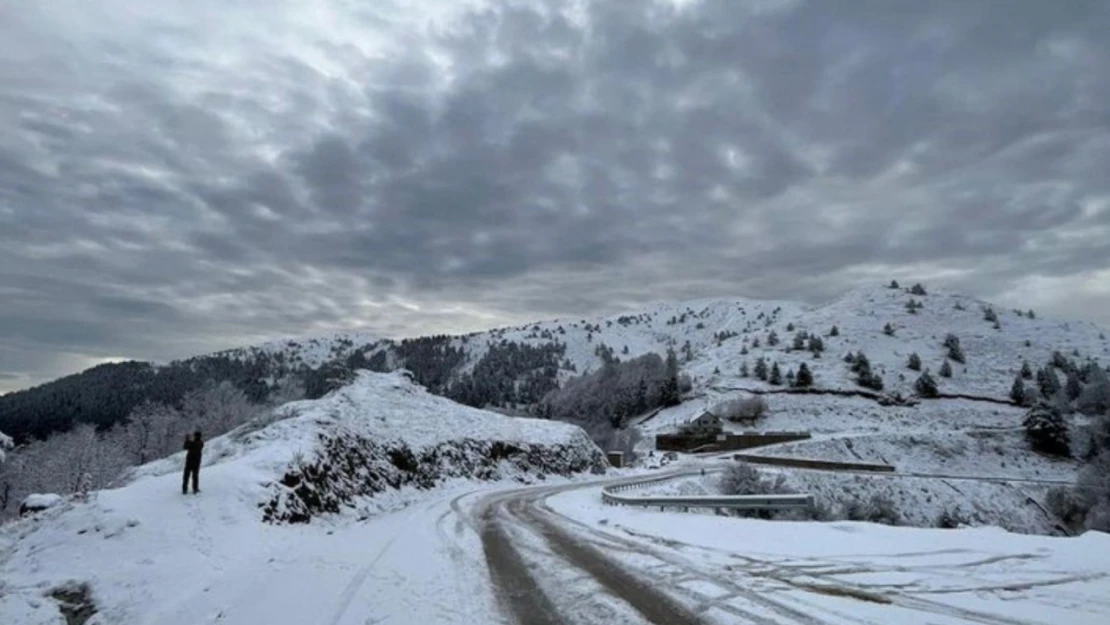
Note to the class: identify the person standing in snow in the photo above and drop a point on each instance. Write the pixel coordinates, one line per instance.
(193, 449)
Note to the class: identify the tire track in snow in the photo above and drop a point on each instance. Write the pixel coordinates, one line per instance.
(348, 594)
(797, 610)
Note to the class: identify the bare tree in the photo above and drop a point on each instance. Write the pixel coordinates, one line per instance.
(217, 409)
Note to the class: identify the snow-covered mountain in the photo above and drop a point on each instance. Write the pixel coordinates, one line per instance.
(516, 366)
(376, 445)
(714, 337)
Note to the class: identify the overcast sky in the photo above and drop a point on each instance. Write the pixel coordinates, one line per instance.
(183, 176)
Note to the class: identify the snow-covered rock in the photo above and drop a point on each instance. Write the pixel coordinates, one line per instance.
(38, 502)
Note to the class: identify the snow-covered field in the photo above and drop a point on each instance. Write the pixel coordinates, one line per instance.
(742, 571)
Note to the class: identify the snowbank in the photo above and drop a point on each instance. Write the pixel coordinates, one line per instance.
(40, 501)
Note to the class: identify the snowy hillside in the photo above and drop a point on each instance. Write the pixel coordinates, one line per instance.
(516, 367)
(714, 337)
(377, 445)
(310, 351)
(994, 352)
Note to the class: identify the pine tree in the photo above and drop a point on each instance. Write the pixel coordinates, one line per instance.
(800, 340)
(669, 392)
(1047, 430)
(860, 363)
(888, 329)
(744, 369)
(804, 379)
(761, 368)
(1095, 398)
(816, 345)
(914, 362)
(990, 315)
(1072, 387)
(945, 370)
(1017, 391)
(926, 386)
(835, 331)
(1049, 383)
(790, 327)
(776, 374)
(1026, 370)
(894, 284)
(918, 289)
(772, 338)
(955, 352)
(790, 377)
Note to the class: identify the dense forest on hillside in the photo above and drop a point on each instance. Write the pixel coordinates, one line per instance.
(104, 395)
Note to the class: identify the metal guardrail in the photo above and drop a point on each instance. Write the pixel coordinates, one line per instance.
(609, 496)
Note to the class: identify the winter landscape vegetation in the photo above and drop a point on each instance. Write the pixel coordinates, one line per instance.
(554, 312)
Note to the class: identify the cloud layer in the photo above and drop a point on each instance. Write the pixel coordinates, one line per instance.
(196, 175)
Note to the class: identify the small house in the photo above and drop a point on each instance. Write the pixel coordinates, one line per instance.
(616, 459)
(705, 424)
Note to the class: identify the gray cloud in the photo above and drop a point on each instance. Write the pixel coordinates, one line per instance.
(173, 183)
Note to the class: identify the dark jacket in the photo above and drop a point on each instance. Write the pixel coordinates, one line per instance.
(193, 448)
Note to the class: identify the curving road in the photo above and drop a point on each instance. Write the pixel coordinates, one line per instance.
(550, 569)
(522, 538)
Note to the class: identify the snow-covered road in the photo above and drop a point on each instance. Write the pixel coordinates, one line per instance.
(551, 554)
(559, 556)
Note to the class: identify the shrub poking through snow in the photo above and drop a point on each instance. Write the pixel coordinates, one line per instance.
(1095, 397)
(914, 362)
(1047, 430)
(918, 289)
(1017, 391)
(351, 466)
(926, 386)
(952, 518)
(955, 352)
(740, 478)
(877, 509)
(945, 370)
